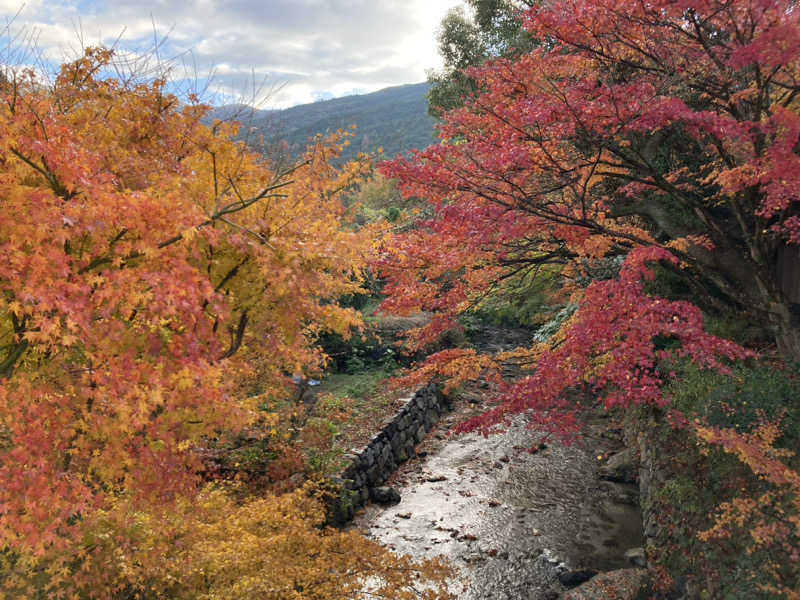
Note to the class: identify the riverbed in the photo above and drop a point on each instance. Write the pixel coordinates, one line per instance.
(515, 524)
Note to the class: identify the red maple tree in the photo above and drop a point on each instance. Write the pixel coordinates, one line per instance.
(663, 131)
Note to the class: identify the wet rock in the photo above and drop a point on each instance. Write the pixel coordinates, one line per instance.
(575, 577)
(373, 473)
(385, 495)
(551, 594)
(473, 398)
(626, 496)
(622, 467)
(538, 448)
(431, 416)
(622, 584)
(396, 443)
(637, 557)
(473, 558)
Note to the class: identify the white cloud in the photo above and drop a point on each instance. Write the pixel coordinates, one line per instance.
(310, 47)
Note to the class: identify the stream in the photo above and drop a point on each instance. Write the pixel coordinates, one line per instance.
(511, 522)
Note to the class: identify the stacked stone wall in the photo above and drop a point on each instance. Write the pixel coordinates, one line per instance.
(369, 467)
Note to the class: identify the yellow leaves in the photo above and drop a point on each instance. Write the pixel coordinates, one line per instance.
(189, 234)
(184, 379)
(679, 244)
(597, 366)
(273, 546)
(683, 244)
(15, 308)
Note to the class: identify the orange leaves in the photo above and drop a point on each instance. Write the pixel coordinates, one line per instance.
(454, 367)
(144, 255)
(597, 246)
(756, 449)
(770, 519)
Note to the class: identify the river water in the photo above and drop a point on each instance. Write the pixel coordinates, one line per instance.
(508, 520)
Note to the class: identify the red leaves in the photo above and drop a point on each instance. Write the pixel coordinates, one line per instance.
(625, 115)
(611, 347)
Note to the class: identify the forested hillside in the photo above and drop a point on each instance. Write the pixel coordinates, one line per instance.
(395, 119)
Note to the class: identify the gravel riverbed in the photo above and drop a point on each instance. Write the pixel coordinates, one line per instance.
(516, 525)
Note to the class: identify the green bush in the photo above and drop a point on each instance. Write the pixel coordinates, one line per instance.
(697, 478)
(738, 400)
(524, 300)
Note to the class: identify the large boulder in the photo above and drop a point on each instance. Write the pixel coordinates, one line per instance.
(384, 495)
(622, 584)
(622, 467)
(637, 557)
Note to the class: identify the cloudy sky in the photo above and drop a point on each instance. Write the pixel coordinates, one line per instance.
(295, 51)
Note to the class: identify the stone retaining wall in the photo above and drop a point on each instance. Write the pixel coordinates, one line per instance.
(395, 443)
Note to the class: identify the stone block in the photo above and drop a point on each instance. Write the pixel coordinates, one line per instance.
(385, 495)
(372, 474)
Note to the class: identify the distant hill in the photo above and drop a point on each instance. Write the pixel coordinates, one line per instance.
(395, 119)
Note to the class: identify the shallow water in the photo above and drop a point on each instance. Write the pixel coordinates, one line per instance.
(510, 521)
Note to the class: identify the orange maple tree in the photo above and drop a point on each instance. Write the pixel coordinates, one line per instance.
(144, 254)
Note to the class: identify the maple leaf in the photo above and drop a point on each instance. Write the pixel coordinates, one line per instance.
(135, 293)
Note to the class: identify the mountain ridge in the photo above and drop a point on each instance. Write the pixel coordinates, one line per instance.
(393, 118)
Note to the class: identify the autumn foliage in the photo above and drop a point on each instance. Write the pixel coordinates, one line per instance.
(661, 131)
(144, 255)
(662, 136)
(768, 521)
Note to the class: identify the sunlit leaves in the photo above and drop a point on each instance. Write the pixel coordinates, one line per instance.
(145, 256)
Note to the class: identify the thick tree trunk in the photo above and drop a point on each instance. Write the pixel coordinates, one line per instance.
(788, 272)
(787, 311)
(787, 329)
(769, 295)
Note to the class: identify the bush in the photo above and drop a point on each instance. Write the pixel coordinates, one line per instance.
(722, 515)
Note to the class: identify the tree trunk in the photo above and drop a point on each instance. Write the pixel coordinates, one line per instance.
(787, 329)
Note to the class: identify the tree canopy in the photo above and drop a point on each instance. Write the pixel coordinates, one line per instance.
(467, 38)
(145, 257)
(639, 145)
(669, 124)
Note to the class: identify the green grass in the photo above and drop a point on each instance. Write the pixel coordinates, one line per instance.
(367, 398)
